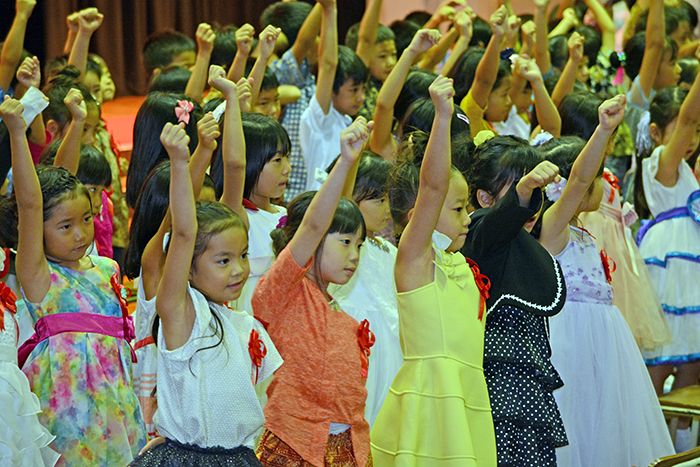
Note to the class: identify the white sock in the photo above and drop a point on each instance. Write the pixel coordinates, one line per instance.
(683, 440)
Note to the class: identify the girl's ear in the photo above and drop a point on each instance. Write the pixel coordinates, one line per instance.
(485, 199)
(656, 134)
(409, 215)
(54, 128)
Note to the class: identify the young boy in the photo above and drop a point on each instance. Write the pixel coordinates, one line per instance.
(340, 93)
(168, 48)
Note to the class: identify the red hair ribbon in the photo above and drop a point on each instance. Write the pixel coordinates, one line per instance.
(8, 301)
(257, 350)
(609, 265)
(182, 111)
(483, 283)
(366, 339)
(612, 180)
(122, 293)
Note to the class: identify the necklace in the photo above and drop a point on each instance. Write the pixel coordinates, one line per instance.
(379, 244)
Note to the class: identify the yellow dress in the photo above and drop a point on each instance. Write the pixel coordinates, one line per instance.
(437, 412)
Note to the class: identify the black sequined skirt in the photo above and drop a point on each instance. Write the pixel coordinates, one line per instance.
(174, 454)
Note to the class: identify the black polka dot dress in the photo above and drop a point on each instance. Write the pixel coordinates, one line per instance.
(520, 379)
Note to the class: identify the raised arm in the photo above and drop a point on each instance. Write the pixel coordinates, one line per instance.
(32, 267)
(327, 54)
(208, 132)
(233, 145)
(29, 75)
(267, 47)
(547, 113)
(653, 54)
(555, 221)
(487, 70)
(198, 79)
(605, 22)
(567, 79)
(414, 258)
(14, 43)
(173, 304)
(306, 38)
(319, 214)
(541, 43)
(382, 142)
(244, 42)
(679, 146)
(446, 11)
(463, 25)
(89, 21)
(527, 47)
(367, 34)
(68, 155)
(569, 20)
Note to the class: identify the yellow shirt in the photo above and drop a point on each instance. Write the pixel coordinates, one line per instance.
(475, 114)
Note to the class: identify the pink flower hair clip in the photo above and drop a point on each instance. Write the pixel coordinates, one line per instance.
(182, 111)
(282, 222)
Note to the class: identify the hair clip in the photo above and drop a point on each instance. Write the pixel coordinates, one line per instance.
(282, 223)
(182, 111)
(554, 190)
(463, 117)
(482, 137)
(507, 54)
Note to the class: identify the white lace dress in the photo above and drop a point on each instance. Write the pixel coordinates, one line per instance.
(23, 440)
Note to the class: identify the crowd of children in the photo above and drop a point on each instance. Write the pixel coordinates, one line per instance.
(467, 248)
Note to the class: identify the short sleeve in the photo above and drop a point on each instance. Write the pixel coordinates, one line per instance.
(314, 121)
(272, 360)
(275, 288)
(200, 336)
(288, 70)
(475, 114)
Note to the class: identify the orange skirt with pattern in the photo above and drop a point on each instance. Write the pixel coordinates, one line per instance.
(273, 452)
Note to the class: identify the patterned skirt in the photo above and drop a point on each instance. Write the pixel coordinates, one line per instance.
(174, 454)
(273, 452)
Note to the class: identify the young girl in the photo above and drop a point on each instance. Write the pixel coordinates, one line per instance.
(81, 322)
(437, 410)
(526, 288)
(610, 411)
(634, 293)
(370, 294)
(666, 188)
(23, 441)
(316, 401)
(209, 357)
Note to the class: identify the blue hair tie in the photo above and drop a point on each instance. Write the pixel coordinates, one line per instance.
(507, 53)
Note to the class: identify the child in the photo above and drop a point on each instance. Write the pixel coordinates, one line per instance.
(101, 421)
(437, 410)
(168, 48)
(317, 423)
(204, 347)
(339, 96)
(23, 441)
(370, 293)
(611, 413)
(634, 293)
(156, 110)
(664, 189)
(526, 289)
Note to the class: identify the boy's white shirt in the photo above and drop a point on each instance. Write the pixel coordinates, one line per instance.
(320, 138)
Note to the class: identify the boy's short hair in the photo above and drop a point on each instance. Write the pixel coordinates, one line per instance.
(350, 66)
(269, 80)
(172, 79)
(288, 16)
(420, 17)
(162, 47)
(225, 47)
(592, 42)
(481, 32)
(383, 34)
(403, 34)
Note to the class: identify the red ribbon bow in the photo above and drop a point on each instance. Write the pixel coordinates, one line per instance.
(122, 293)
(257, 350)
(182, 111)
(366, 339)
(609, 265)
(483, 283)
(612, 180)
(8, 301)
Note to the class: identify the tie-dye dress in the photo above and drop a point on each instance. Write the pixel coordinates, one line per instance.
(83, 380)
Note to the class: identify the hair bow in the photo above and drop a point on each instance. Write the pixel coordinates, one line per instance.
(182, 111)
(8, 301)
(366, 339)
(483, 283)
(621, 62)
(257, 350)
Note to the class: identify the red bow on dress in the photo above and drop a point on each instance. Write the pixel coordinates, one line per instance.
(366, 339)
(483, 283)
(612, 180)
(122, 293)
(257, 350)
(8, 301)
(609, 265)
